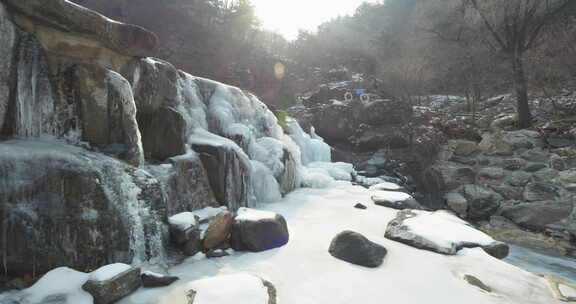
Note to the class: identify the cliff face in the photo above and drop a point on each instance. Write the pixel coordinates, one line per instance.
(101, 143)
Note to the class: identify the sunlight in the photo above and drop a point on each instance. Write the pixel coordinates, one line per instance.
(287, 17)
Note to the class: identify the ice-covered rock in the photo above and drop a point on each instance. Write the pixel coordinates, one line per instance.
(113, 282)
(69, 206)
(448, 235)
(394, 199)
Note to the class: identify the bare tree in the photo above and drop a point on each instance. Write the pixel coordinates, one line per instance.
(513, 27)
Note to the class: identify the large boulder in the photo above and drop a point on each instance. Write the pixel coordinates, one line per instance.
(255, 230)
(539, 215)
(355, 248)
(152, 279)
(54, 197)
(113, 282)
(420, 229)
(541, 191)
(67, 17)
(8, 40)
(108, 112)
(482, 202)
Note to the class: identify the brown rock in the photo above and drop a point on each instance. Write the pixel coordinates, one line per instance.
(218, 231)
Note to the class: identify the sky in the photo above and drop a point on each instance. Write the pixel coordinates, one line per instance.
(287, 16)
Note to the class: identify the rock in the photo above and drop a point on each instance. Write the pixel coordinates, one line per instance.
(394, 199)
(534, 167)
(568, 176)
(354, 248)
(79, 195)
(541, 191)
(248, 288)
(545, 175)
(464, 147)
(482, 202)
(557, 163)
(255, 230)
(536, 155)
(491, 173)
(8, 40)
(413, 229)
(472, 280)
(449, 176)
(65, 16)
(396, 112)
(164, 135)
(513, 164)
(186, 184)
(360, 206)
(151, 279)
(519, 178)
(559, 142)
(498, 250)
(108, 116)
(107, 286)
(219, 230)
(457, 203)
(508, 192)
(218, 253)
(538, 215)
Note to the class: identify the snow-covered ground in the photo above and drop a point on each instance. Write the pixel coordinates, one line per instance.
(305, 273)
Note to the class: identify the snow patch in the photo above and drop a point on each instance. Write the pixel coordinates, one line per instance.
(108, 272)
(253, 215)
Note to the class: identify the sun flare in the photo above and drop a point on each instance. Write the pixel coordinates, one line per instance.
(287, 17)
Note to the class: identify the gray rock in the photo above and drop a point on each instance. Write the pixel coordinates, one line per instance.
(568, 176)
(508, 192)
(538, 215)
(491, 173)
(386, 201)
(545, 175)
(482, 202)
(114, 289)
(259, 235)
(541, 191)
(519, 178)
(73, 195)
(354, 248)
(513, 164)
(498, 250)
(534, 167)
(464, 147)
(557, 163)
(536, 155)
(398, 231)
(457, 203)
(157, 280)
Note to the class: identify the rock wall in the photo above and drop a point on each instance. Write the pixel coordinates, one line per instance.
(514, 187)
(101, 144)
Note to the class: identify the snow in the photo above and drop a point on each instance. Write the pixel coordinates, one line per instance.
(226, 289)
(338, 171)
(62, 280)
(385, 186)
(253, 215)
(304, 272)
(316, 178)
(448, 229)
(185, 220)
(107, 272)
(389, 196)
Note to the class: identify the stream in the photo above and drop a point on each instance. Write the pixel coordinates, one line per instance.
(538, 262)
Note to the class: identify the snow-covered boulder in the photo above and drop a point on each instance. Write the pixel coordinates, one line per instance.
(355, 248)
(440, 232)
(256, 230)
(224, 289)
(394, 199)
(113, 282)
(152, 279)
(386, 186)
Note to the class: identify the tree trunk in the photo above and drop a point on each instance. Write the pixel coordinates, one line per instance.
(521, 88)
